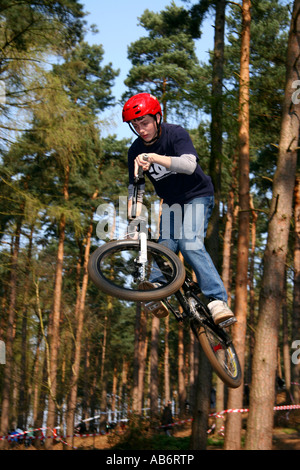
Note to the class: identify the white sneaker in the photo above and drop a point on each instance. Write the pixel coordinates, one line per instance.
(220, 311)
(156, 307)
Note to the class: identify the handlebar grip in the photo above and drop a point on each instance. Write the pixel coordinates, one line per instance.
(141, 172)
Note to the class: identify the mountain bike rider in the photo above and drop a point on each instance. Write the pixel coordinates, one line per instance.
(172, 167)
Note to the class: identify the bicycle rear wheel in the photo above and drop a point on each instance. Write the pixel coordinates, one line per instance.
(221, 355)
(114, 269)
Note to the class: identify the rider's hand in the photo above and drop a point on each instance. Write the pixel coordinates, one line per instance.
(162, 160)
(139, 161)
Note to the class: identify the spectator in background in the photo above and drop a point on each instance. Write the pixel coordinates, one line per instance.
(167, 418)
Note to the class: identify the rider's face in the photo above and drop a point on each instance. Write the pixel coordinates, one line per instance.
(146, 127)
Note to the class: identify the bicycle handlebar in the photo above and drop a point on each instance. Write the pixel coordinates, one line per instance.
(135, 191)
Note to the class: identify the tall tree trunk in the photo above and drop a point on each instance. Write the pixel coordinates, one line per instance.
(216, 128)
(54, 334)
(23, 396)
(181, 381)
(286, 347)
(262, 393)
(55, 321)
(139, 360)
(8, 368)
(114, 392)
(201, 397)
(124, 389)
(251, 293)
(167, 362)
(215, 167)
(229, 224)
(296, 296)
(202, 405)
(227, 277)
(42, 396)
(35, 384)
(154, 367)
(235, 396)
(191, 395)
(103, 369)
(72, 401)
(136, 364)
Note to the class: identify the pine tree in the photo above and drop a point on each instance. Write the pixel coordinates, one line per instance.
(28, 31)
(262, 397)
(164, 62)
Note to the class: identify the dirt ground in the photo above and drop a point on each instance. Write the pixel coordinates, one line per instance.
(286, 434)
(283, 439)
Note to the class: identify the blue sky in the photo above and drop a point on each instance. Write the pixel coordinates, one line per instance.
(117, 23)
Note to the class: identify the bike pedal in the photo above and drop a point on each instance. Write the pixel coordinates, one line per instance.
(157, 308)
(229, 322)
(153, 305)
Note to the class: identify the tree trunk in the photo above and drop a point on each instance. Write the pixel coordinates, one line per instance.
(55, 321)
(8, 368)
(235, 396)
(262, 393)
(154, 367)
(227, 243)
(200, 415)
(54, 334)
(286, 347)
(136, 364)
(251, 294)
(139, 361)
(166, 362)
(181, 381)
(227, 277)
(114, 393)
(23, 395)
(216, 128)
(72, 401)
(191, 395)
(124, 389)
(296, 297)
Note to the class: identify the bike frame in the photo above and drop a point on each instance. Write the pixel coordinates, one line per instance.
(189, 290)
(204, 318)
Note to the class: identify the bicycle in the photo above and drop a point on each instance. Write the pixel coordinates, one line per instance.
(120, 267)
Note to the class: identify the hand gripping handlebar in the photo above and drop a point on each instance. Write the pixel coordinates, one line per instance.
(141, 171)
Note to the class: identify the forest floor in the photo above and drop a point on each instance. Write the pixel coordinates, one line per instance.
(284, 438)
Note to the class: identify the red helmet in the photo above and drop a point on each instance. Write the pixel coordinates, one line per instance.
(139, 105)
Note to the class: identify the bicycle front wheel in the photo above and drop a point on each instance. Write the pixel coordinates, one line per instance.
(222, 356)
(114, 269)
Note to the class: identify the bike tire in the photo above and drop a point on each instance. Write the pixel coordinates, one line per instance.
(222, 357)
(111, 268)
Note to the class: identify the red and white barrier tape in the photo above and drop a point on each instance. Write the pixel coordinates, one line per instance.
(245, 410)
(219, 414)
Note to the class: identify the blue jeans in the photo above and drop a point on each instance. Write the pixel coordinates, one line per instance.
(184, 229)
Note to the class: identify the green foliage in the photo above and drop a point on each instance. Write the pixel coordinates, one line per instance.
(29, 31)
(87, 83)
(59, 22)
(164, 62)
(141, 434)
